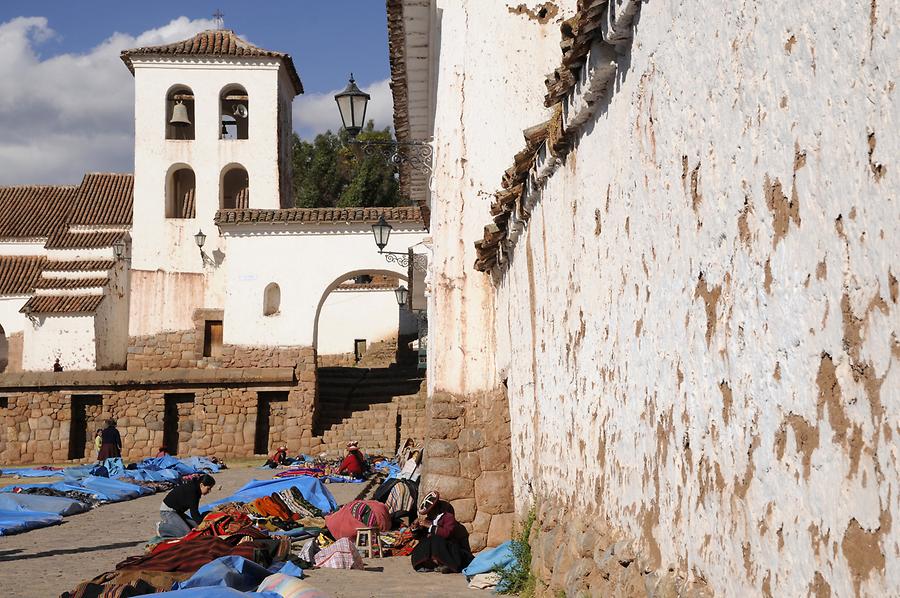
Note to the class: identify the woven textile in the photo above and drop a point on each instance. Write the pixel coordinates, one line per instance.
(288, 586)
(340, 555)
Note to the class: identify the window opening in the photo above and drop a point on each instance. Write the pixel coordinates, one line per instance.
(271, 299)
(180, 113)
(234, 112)
(180, 194)
(236, 189)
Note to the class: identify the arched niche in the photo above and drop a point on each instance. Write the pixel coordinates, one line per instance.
(271, 299)
(235, 187)
(181, 186)
(176, 127)
(234, 113)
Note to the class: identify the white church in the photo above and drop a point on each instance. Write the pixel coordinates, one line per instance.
(195, 273)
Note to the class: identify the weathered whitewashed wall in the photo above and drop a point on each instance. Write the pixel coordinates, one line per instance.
(700, 325)
(478, 122)
(71, 338)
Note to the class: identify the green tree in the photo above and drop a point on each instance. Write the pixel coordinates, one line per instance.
(329, 172)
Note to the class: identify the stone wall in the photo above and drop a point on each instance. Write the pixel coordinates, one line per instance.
(220, 421)
(338, 360)
(467, 459)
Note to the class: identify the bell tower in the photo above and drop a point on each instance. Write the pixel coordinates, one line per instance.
(212, 131)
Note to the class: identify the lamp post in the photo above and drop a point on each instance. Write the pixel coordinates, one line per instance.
(382, 233)
(119, 249)
(352, 103)
(402, 295)
(200, 240)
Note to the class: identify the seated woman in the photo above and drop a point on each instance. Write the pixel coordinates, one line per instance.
(354, 464)
(173, 519)
(279, 457)
(443, 542)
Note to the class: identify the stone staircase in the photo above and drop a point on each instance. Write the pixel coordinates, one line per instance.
(376, 406)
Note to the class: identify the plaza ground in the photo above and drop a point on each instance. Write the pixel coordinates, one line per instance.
(45, 562)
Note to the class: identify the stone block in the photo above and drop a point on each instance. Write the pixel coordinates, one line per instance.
(482, 522)
(495, 457)
(493, 492)
(477, 541)
(470, 439)
(464, 508)
(443, 429)
(501, 529)
(443, 465)
(470, 466)
(447, 410)
(450, 487)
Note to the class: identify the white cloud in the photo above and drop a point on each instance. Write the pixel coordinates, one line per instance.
(72, 113)
(317, 112)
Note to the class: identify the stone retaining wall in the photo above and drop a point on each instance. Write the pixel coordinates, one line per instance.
(220, 420)
(467, 459)
(338, 360)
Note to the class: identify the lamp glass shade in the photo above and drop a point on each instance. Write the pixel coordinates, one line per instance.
(402, 294)
(200, 239)
(352, 104)
(119, 249)
(382, 232)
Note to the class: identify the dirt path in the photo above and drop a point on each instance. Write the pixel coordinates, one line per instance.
(45, 562)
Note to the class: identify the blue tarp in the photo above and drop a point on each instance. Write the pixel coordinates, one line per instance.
(12, 522)
(312, 490)
(488, 560)
(149, 475)
(201, 464)
(167, 462)
(213, 593)
(27, 472)
(42, 504)
(290, 568)
(228, 571)
(102, 488)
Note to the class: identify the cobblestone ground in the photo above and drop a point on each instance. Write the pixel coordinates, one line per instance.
(45, 562)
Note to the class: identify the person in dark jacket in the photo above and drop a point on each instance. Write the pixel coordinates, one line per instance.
(110, 442)
(443, 542)
(179, 512)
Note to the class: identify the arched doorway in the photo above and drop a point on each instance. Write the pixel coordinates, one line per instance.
(364, 364)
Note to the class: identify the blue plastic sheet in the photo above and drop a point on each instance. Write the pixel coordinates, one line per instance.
(202, 464)
(12, 522)
(167, 462)
(312, 490)
(42, 504)
(213, 593)
(149, 475)
(27, 472)
(290, 568)
(488, 560)
(102, 488)
(228, 571)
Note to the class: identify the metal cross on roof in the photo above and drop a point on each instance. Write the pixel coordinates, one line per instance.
(219, 17)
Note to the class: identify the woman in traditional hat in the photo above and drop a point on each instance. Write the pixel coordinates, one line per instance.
(443, 542)
(354, 464)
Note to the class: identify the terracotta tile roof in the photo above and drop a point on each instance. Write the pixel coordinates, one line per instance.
(104, 198)
(214, 42)
(19, 273)
(70, 283)
(45, 211)
(34, 210)
(68, 240)
(379, 282)
(47, 304)
(72, 266)
(318, 215)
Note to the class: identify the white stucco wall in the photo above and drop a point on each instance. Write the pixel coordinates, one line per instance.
(111, 320)
(479, 116)
(10, 318)
(70, 338)
(306, 262)
(349, 315)
(741, 426)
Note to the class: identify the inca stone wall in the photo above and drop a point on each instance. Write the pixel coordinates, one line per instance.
(219, 420)
(467, 459)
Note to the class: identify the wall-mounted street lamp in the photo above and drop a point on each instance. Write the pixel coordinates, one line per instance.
(352, 103)
(200, 240)
(402, 295)
(382, 232)
(119, 249)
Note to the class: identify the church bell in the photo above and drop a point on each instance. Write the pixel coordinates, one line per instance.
(180, 116)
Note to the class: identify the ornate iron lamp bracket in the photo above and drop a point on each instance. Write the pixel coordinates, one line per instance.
(415, 154)
(419, 260)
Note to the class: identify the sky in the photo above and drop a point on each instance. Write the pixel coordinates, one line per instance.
(68, 101)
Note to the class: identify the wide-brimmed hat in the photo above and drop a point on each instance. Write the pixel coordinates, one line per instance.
(429, 501)
(353, 444)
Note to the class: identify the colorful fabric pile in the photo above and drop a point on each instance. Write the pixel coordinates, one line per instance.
(358, 514)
